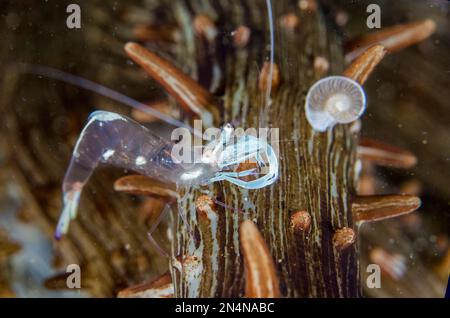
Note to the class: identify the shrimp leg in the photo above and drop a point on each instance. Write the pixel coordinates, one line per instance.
(153, 228)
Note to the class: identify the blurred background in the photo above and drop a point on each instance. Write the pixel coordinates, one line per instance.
(409, 107)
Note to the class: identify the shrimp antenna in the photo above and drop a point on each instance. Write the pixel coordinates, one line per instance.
(78, 81)
(271, 60)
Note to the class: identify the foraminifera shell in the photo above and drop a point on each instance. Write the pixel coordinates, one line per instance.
(333, 100)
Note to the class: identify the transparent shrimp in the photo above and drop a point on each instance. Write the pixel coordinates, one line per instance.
(110, 138)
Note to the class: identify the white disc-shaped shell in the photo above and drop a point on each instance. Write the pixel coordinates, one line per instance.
(332, 100)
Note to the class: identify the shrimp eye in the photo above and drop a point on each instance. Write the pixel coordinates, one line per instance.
(334, 100)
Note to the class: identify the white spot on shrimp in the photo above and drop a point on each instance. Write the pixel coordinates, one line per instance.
(140, 160)
(169, 234)
(107, 154)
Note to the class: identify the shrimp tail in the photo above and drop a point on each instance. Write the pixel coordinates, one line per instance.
(69, 212)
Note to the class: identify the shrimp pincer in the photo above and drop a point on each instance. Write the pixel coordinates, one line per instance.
(113, 139)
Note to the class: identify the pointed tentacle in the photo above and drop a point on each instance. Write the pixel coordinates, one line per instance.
(191, 96)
